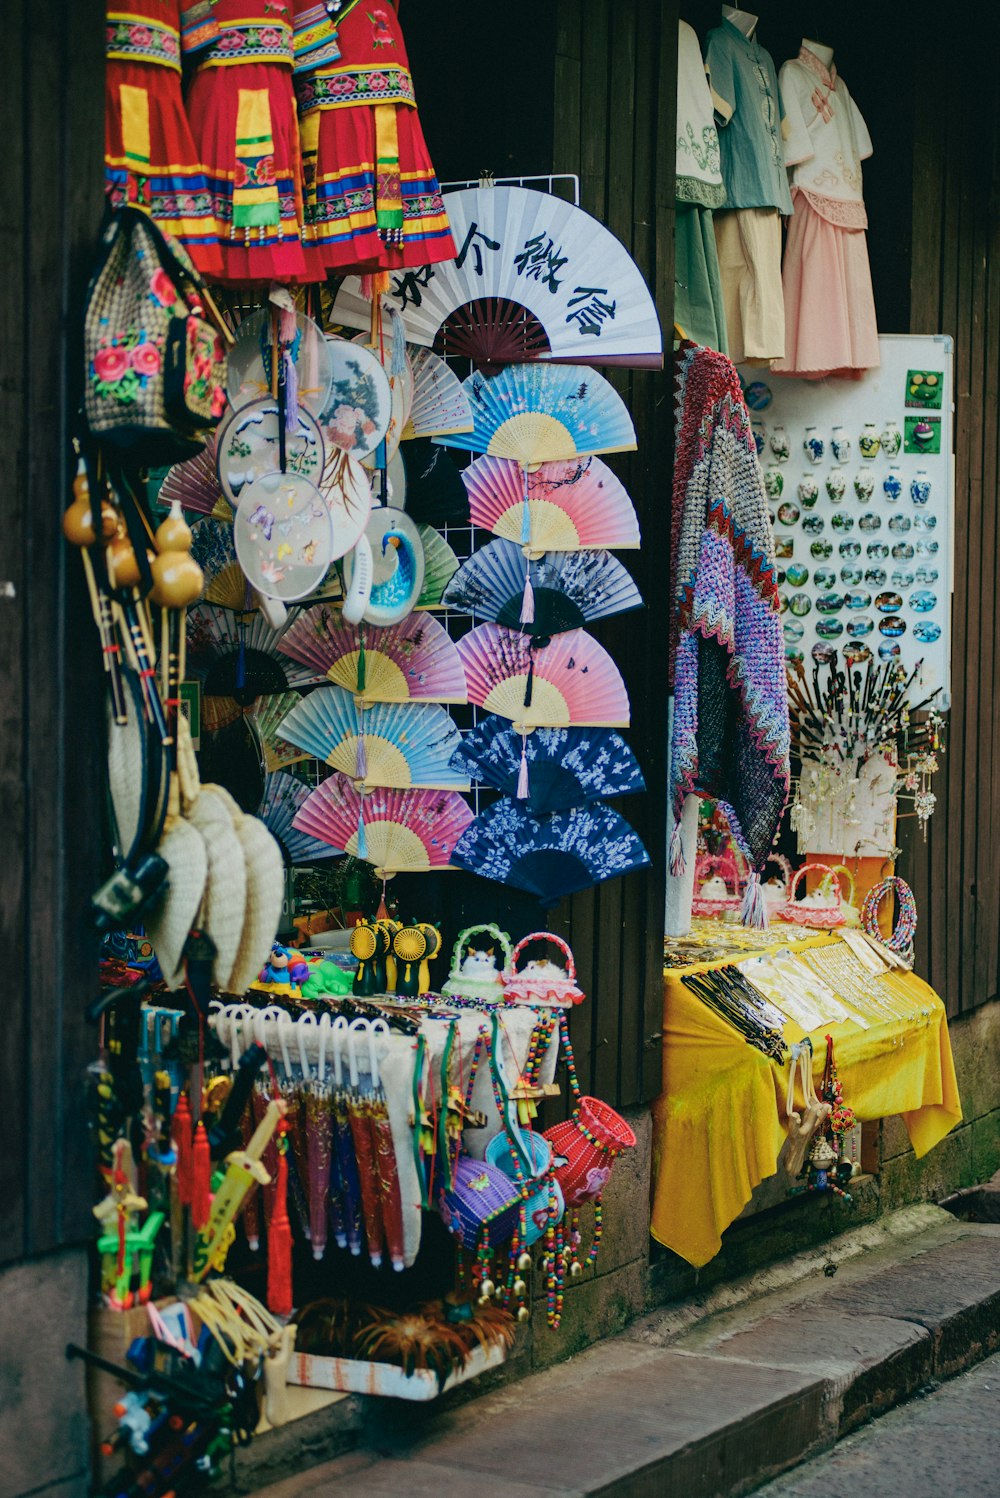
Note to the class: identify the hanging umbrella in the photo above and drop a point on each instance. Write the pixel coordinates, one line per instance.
(359, 1113)
(386, 1170)
(318, 1114)
(349, 1185)
(295, 1119)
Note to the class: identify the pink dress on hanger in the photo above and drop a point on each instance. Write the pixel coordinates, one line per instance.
(830, 324)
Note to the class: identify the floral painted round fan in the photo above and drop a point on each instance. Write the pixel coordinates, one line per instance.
(572, 680)
(568, 588)
(541, 413)
(348, 495)
(413, 660)
(400, 744)
(432, 490)
(550, 856)
(236, 655)
(284, 797)
(439, 406)
(397, 831)
(570, 504)
(565, 766)
(357, 415)
(249, 445)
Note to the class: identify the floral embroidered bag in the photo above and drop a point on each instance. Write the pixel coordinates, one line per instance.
(155, 367)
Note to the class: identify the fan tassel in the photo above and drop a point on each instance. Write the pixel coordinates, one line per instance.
(375, 285)
(361, 761)
(529, 685)
(241, 664)
(362, 836)
(754, 909)
(291, 394)
(382, 914)
(522, 774)
(361, 660)
(279, 1244)
(678, 864)
(528, 601)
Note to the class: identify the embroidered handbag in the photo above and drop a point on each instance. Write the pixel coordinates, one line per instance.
(155, 367)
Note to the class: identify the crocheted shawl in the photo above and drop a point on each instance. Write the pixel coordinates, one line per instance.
(730, 738)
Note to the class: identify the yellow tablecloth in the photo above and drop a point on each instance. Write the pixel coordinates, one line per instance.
(718, 1126)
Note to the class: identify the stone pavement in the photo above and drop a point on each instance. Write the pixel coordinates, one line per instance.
(945, 1444)
(684, 1404)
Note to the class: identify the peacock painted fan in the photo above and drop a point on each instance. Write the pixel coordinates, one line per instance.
(544, 413)
(571, 504)
(523, 251)
(396, 566)
(550, 856)
(571, 680)
(414, 660)
(397, 831)
(563, 767)
(195, 485)
(431, 490)
(402, 744)
(236, 655)
(440, 566)
(439, 404)
(567, 588)
(284, 797)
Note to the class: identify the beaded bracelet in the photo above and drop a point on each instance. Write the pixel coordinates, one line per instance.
(904, 930)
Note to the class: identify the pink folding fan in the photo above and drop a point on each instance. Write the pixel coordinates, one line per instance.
(414, 660)
(570, 680)
(571, 504)
(397, 831)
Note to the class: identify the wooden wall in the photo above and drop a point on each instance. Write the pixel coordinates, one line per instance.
(955, 289)
(51, 110)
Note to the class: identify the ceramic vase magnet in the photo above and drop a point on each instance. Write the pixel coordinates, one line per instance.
(892, 485)
(780, 445)
(869, 442)
(841, 444)
(813, 445)
(836, 487)
(808, 490)
(864, 485)
(920, 487)
(774, 482)
(759, 431)
(892, 439)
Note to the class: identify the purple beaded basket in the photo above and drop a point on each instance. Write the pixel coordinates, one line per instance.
(481, 1198)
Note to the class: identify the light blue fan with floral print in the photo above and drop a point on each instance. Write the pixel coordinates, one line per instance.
(549, 856)
(400, 744)
(541, 413)
(565, 766)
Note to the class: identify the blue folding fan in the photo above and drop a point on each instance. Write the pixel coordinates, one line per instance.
(549, 856)
(400, 744)
(540, 413)
(567, 589)
(284, 795)
(564, 767)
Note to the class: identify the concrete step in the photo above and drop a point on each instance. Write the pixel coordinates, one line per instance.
(703, 1410)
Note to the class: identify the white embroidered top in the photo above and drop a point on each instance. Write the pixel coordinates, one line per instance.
(826, 139)
(699, 169)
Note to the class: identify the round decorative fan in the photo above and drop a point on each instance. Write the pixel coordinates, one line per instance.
(283, 535)
(397, 566)
(413, 660)
(359, 410)
(541, 413)
(249, 369)
(401, 744)
(348, 496)
(397, 831)
(550, 856)
(249, 446)
(571, 680)
(569, 588)
(573, 504)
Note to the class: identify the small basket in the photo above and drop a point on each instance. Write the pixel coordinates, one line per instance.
(723, 867)
(840, 871)
(776, 897)
(481, 1201)
(460, 985)
(821, 917)
(585, 1148)
(545, 1204)
(526, 988)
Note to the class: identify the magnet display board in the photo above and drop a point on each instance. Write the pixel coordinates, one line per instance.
(860, 482)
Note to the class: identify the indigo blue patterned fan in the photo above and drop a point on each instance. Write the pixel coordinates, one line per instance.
(239, 655)
(564, 766)
(540, 413)
(549, 856)
(390, 743)
(284, 796)
(567, 588)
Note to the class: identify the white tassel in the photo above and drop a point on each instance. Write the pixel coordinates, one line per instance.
(528, 601)
(678, 864)
(522, 774)
(754, 909)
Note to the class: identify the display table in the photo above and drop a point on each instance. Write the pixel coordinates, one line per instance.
(718, 1126)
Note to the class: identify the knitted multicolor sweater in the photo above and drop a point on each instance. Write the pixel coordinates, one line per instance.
(730, 735)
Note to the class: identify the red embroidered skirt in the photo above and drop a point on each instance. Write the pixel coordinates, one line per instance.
(150, 157)
(244, 125)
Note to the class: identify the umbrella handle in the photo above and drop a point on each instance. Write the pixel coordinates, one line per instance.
(375, 1027)
(324, 1033)
(284, 1025)
(352, 1055)
(302, 1024)
(260, 1016)
(339, 1031)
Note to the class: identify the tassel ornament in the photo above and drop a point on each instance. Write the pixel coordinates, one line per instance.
(201, 1179)
(279, 1241)
(754, 909)
(528, 600)
(522, 774)
(678, 863)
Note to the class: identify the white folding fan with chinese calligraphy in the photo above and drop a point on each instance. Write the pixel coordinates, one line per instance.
(535, 278)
